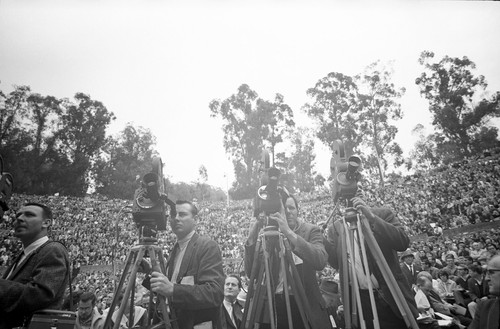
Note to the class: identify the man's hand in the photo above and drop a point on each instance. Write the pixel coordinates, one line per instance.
(160, 284)
(360, 205)
(280, 218)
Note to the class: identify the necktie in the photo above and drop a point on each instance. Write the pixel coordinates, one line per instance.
(17, 262)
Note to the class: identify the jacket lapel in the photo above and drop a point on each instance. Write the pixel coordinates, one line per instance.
(170, 261)
(186, 260)
(21, 265)
(9, 269)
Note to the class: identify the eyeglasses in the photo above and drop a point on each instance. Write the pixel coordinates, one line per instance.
(492, 271)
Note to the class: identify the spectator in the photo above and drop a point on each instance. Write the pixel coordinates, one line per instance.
(87, 316)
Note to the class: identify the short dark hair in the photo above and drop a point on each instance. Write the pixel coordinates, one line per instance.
(444, 272)
(46, 211)
(476, 268)
(88, 295)
(237, 277)
(194, 210)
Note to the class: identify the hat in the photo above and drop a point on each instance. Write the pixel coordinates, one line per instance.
(406, 254)
(328, 286)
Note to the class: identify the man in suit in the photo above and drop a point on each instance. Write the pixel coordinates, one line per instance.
(477, 286)
(195, 278)
(39, 276)
(391, 237)
(409, 268)
(232, 310)
(488, 311)
(309, 256)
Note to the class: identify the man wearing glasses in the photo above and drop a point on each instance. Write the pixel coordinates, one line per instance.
(488, 310)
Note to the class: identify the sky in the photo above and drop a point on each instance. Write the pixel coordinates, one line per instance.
(158, 64)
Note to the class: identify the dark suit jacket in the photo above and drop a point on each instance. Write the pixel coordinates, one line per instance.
(412, 279)
(201, 301)
(38, 282)
(487, 315)
(311, 250)
(390, 237)
(477, 290)
(226, 322)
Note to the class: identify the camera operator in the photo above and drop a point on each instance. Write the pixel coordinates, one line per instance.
(195, 279)
(391, 237)
(39, 276)
(309, 255)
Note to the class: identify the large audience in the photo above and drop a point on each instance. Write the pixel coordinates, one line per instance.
(98, 231)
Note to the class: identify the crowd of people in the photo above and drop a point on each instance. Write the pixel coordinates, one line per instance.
(98, 231)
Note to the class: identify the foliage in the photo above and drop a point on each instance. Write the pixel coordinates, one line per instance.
(50, 144)
(460, 110)
(301, 164)
(359, 111)
(249, 121)
(124, 161)
(335, 107)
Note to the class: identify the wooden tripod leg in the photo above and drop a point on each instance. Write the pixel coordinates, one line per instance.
(357, 309)
(346, 296)
(128, 289)
(388, 276)
(376, 322)
(270, 293)
(295, 283)
(163, 305)
(284, 266)
(255, 279)
(130, 259)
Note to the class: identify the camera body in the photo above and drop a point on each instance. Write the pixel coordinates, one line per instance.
(270, 195)
(150, 208)
(345, 173)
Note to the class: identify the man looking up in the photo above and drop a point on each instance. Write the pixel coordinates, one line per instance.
(38, 277)
(195, 278)
(232, 310)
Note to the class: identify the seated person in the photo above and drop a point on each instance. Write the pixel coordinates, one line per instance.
(140, 315)
(446, 287)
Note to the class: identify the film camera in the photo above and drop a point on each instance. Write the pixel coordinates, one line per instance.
(270, 195)
(6, 187)
(150, 200)
(345, 175)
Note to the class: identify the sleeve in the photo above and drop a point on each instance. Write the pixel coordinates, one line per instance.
(312, 251)
(473, 289)
(332, 243)
(388, 230)
(47, 280)
(476, 321)
(208, 290)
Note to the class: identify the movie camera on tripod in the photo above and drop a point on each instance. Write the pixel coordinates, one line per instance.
(270, 195)
(150, 201)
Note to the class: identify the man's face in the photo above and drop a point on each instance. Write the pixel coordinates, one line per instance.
(231, 288)
(493, 275)
(30, 224)
(450, 262)
(291, 213)
(408, 260)
(475, 245)
(85, 309)
(184, 221)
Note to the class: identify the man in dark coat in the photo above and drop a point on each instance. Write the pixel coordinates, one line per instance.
(488, 311)
(232, 309)
(391, 237)
(39, 276)
(195, 277)
(409, 268)
(306, 242)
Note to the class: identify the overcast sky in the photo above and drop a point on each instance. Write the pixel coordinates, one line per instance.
(158, 64)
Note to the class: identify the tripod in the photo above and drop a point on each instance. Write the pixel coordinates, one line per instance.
(262, 287)
(147, 247)
(356, 229)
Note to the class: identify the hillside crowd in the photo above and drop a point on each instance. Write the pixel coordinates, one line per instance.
(100, 231)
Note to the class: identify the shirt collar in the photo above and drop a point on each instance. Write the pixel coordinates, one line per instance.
(184, 241)
(34, 245)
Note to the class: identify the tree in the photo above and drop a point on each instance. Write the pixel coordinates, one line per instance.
(423, 156)
(455, 101)
(302, 160)
(379, 106)
(81, 137)
(280, 120)
(247, 123)
(124, 161)
(335, 110)
(202, 181)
